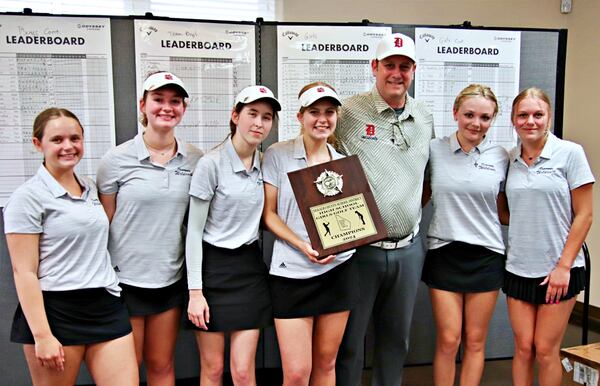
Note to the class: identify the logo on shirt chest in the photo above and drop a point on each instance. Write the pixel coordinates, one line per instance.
(484, 166)
(544, 171)
(369, 132)
(95, 202)
(183, 172)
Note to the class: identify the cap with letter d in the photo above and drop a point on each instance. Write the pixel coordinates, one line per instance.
(396, 44)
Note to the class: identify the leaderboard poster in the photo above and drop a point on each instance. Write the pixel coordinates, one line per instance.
(215, 61)
(338, 55)
(53, 62)
(450, 59)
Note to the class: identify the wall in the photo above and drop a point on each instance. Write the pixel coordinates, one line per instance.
(583, 55)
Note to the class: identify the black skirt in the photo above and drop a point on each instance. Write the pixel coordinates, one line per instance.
(235, 285)
(462, 267)
(334, 291)
(529, 290)
(152, 301)
(77, 317)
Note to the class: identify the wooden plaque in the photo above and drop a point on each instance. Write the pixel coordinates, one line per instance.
(337, 206)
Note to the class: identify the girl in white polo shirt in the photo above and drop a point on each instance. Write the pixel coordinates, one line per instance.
(312, 295)
(69, 306)
(549, 190)
(464, 267)
(144, 186)
(227, 277)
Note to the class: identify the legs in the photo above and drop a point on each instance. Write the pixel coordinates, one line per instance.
(327, 336)
(522, 319)
(448, 314)
(243, 357)
(155, 337)
(538, 331)
(389, 281)
(211, 346)
(479, 308)
(113, 363)
(392, 313)
(551, 323)
(43, 376)
(295, 346)
(371, 264)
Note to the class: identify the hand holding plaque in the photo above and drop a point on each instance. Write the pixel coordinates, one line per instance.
(337, 206)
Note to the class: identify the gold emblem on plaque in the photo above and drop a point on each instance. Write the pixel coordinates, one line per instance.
(329, 183)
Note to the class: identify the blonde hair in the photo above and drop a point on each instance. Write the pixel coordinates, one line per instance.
(475, 90)
(331, 139)
(532, 92)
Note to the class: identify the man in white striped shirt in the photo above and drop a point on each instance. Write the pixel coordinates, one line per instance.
(390, 133)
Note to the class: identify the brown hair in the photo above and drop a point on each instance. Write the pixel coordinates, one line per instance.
(240, 106)
(331, 139)
(143, 117)
(42, 119)
(311, 85)
(475, 90)
(532, 92)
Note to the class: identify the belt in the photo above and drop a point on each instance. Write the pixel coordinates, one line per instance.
(397, 243)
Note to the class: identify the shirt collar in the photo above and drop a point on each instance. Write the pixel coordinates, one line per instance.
(142, 150)
(57, 189)
(381, 105)
(455, 145)
(546, 153)
(300, 151)
(236, 163)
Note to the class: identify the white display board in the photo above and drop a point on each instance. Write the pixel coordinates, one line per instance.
(450, 59)
(53, 62)
(338, 55)
(215, 61)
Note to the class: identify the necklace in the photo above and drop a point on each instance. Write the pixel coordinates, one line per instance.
(168, 149)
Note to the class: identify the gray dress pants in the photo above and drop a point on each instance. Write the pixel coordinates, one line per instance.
(389, 280)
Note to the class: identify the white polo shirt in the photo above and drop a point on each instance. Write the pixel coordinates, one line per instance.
(236, 196)
(73, 233)
(280, 159)
(465, 189)
(541, 214)
(147, 232)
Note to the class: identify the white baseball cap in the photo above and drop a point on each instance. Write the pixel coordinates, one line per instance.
(254, 93)
(317, 92)
(396, 44)
(161, 79)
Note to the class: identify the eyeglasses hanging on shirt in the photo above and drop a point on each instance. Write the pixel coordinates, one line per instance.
(399, 138)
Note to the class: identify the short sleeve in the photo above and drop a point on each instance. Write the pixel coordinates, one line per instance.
(578, 169)
(23, 213)
(205, 179)
(270, 167)
(107, 177)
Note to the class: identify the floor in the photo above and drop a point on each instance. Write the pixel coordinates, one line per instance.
(496, 373)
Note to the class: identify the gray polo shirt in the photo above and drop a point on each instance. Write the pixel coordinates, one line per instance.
(465, 189)
(236, 196)
(281, 158)
(73, 233)
(393, 151)
(541, 214)
(147, 230)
